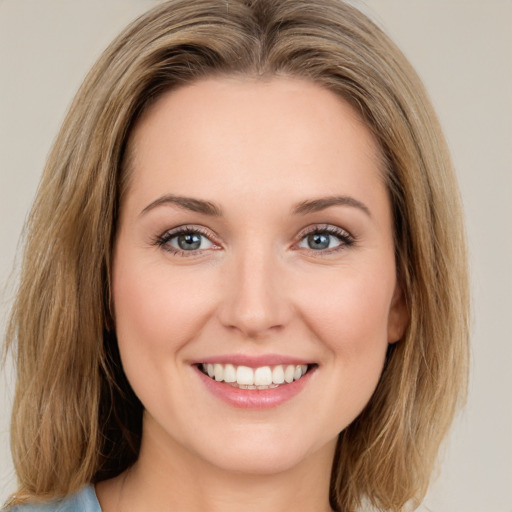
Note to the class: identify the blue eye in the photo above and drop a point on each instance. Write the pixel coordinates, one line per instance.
(185, 240)
(325, 239)
(319, 241)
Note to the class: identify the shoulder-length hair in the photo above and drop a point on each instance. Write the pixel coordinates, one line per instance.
(75, 418)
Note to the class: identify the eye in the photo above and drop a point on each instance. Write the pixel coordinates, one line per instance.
(190, 242)
(185, 240)
(327, 238)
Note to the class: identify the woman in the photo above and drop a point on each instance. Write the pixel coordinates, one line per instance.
(244, 280)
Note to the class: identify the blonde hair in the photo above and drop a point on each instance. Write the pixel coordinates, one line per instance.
(75, 418)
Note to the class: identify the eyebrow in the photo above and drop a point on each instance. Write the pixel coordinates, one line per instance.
(209, 208)
(316, 205)
(186, 203)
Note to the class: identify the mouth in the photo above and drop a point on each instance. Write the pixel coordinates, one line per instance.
(260, 378)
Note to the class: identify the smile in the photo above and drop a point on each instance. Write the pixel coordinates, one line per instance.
(255, 382)
(261, 378)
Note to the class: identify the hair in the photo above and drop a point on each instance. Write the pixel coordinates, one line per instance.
(75, 418)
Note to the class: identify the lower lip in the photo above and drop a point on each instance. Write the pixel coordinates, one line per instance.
(255, 398)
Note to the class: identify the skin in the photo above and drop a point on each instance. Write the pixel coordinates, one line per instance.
(257, 149)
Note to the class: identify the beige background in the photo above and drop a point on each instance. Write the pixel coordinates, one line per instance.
(463, 51)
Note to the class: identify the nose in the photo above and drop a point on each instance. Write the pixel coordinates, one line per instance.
(254, 295)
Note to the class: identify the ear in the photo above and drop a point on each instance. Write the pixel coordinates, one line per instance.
(398, 317)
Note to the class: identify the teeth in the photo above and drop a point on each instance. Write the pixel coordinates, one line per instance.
(229, 373)
(289, 373)
(278, 375)
(245, 376)
(218, 372)
(264, 377)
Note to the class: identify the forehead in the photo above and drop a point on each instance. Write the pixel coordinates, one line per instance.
(252, 134)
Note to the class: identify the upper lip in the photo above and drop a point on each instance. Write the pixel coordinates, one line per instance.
(253, 361)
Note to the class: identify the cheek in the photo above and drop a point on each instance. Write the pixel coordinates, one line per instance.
(156, 313)
(350, 319)
(346, 312)
(351, 311)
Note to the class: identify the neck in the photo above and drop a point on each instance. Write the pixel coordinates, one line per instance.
(167, 477)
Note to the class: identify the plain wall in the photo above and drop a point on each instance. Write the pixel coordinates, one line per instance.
(463, 51)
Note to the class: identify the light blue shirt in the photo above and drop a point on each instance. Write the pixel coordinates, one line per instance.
(83, 501)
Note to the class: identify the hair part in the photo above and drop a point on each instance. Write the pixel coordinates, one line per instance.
(75, 418)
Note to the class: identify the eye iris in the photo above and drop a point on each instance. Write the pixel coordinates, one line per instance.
(189, 241)
(318, 241)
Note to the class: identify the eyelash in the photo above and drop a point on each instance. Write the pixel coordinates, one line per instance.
(164, 239)
(346, 239)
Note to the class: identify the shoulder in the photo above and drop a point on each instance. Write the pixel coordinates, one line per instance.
(83, 501)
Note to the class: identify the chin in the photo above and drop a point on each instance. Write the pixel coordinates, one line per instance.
(258, 462)
(263, 451)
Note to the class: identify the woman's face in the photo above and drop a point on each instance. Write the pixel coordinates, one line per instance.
(254, 243)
